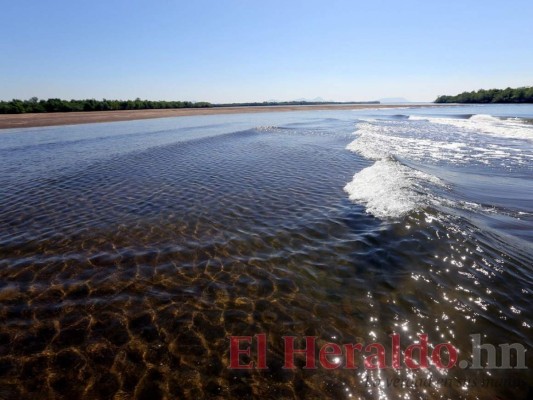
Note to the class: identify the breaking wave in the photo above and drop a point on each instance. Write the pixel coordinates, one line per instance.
(412, 154)
(514, 128)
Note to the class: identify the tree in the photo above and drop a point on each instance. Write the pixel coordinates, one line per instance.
(508, 95)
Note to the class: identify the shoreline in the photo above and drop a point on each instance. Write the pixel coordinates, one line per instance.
(33, 120)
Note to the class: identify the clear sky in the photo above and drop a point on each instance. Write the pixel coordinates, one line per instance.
(233, 51)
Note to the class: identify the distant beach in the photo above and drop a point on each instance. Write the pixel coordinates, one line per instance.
(8, 121)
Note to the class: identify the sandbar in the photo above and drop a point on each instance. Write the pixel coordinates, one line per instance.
(29, 120)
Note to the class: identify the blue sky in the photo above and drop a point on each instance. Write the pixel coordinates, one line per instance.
(232, 51)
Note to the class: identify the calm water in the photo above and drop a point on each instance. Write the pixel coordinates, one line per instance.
(130, 252)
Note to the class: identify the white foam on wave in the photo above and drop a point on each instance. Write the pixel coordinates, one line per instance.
(388, 189)
(483, 123)
(419, 140)
(378, 141)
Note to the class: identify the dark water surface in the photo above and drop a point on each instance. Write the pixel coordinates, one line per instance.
(130, 252)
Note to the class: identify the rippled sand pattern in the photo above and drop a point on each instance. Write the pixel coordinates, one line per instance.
(124, 279)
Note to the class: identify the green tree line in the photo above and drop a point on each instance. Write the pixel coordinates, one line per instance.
(509, 95)
(291, 103)
(34, 105)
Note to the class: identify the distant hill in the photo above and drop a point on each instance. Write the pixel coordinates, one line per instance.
(319, 99)
(290, 103)
(394, 100)
(315, 100)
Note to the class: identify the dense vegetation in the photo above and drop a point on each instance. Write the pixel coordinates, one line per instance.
(518, 95)
(34, 105)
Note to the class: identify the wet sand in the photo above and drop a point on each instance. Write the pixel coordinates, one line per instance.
(70, 118)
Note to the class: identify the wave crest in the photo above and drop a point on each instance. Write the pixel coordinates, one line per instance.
(389, 189)
(483, 123)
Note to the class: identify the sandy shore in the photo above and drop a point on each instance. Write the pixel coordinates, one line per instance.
(71, 118)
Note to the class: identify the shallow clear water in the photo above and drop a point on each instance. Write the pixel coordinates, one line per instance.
(131, 251)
